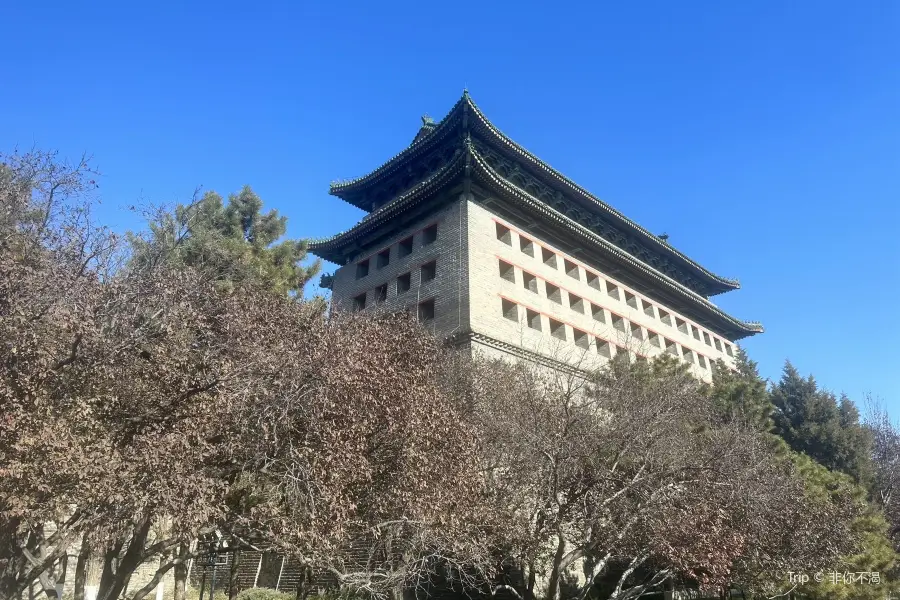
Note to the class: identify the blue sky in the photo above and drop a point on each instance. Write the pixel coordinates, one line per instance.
(763, 137)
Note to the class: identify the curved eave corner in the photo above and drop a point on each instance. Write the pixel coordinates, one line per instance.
(329, 248)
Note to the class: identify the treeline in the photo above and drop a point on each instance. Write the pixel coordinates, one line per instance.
(171, 384)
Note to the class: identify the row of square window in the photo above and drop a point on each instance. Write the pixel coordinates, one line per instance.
(402, 284)
(603, 347)
(404, 248)
(553, 293)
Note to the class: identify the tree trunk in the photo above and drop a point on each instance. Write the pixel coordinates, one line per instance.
(84, 554)
(233, 575)
(553, 582)
(114, 581)
(61, 578)
(181, 573)
(305, 582)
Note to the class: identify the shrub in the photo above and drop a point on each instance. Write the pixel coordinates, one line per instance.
(264, 594)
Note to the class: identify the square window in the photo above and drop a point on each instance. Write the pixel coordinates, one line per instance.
(665, 317)
(507, 271)
(649, 311)
(557, 329)
(612, 290)
(510, 310)
(405, 247)
(717, 344)
(696, 333)
(429, 271)
(526, 245)
(553, 292)
(381, 293)
(383, 258)
(619, 323)
(701, 360)
(622, 353)
(404, 282)
(593, 280)
(359, 302)
(637, 332)
(604, 348)
(529, 281)
(655, 339)
(504, 235)
(671, 347)
(534, 319)
(632, 301)
(581, 338)
(706, 339)
(426, 310)
(362, 269)
(598, 313)
(728, 350)
(682, 326)
(548, 257)
(688, 356)
(576, 303)
(429, 235)
(571, 269)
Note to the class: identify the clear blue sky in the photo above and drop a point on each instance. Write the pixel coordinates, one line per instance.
(764, 137)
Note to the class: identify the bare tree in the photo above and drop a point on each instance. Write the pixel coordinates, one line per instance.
(628, 480)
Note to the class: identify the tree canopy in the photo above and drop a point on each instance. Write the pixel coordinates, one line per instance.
(232, 243)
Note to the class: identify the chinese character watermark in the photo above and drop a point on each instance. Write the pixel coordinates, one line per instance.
(835, 577)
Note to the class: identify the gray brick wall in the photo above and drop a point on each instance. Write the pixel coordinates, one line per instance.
(449, 287)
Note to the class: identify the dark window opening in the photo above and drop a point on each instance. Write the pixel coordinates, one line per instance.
(526, 245)
(359, 302)
(632, 301)
(557, 329)
(571, 269)
(581, 338)
(404, 282)
(362, 269)
(503, 234)
(426, 311)
(429, 235)
(534, 319)
(553, 292)
(529, 281)
(507, 271)
(510, 310)
(593, 280)
(612, 290)
(383, 259)
(429, 271)
(604, 348)
(381, 293)
(405, 247)
(548, 257)
(598, 313)
(576, 303)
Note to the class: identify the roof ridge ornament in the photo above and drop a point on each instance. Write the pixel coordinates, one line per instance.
(426, 120)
